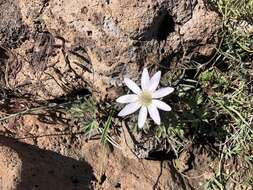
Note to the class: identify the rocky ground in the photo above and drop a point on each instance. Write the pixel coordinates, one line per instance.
(53, 50)
(39, 155)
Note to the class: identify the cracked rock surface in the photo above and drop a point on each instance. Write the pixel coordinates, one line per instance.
(66, 46)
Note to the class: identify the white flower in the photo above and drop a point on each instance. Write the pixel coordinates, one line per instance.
(145, 99)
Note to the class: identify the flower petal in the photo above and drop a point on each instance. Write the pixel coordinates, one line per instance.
(142, 116)
(154, 114)
(161, 105)
(132, 85)
(127, 98)
(154, 81)
(145, 79)
(162, 92)
(129, 108)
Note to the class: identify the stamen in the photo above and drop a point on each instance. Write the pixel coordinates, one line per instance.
(145, 98)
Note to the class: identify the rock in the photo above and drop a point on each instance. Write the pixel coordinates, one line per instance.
(124, 173)
(49, 155)
(10, 168)
(12, 31)
(93, 44)
(24, 166)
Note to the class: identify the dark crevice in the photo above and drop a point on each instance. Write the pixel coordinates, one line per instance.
(102, 179)
(190, 162)
(117, 185)
(166, 26)
(162, 25)
(161, 155)
(89, 33)
(3, 54)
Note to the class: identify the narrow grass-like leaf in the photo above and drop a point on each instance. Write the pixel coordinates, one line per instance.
(106, 128)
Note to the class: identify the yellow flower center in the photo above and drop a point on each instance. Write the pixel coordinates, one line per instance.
(145, 98)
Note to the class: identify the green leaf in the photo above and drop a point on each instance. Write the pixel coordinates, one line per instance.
(88, 129)
(106, 128)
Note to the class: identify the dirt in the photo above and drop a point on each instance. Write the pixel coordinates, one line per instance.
(47, 155)
(31, 168)
(52, 50)
(40, 153)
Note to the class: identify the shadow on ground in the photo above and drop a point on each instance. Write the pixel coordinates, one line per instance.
(47, 170)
